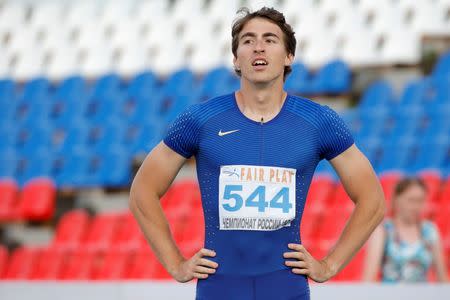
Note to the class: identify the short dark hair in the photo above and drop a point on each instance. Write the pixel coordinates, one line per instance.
(406, 182)
(273, 16)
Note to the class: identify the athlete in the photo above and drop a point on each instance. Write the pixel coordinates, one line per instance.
(256, 151)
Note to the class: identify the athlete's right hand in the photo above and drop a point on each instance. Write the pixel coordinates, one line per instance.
(196, 267)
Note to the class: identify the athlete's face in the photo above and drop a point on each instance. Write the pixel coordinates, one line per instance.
(409, 205)
(261, 54)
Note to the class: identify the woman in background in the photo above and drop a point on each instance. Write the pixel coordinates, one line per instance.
(405, 246)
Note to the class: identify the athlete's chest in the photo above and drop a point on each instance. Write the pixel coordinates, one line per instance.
(278, 143)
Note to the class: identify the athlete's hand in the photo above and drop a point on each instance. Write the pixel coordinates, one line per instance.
(306, 264)
(196, 267)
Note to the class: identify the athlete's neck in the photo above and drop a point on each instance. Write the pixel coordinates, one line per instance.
(260, 103)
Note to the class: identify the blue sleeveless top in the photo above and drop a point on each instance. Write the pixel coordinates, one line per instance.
(404, 261)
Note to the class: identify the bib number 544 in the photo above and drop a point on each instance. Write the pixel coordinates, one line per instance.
(257, 198)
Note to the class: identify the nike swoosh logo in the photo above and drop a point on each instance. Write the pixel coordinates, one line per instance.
(226, 132)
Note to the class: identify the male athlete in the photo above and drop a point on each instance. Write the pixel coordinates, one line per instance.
(256, 151)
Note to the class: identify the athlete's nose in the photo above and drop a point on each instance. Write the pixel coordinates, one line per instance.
(259, 46)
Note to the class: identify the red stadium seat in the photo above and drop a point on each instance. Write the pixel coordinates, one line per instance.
(128, 236)
(320, 192)
(193, 236)
(102, 231)
(49, 264)
(318, 201)
(331, 227)
(112, 265)
(444, 196)
(433, 183)
(79, 265)
(143, 265)
(22, 263)
(353, 271)
(37, 200)
(342, 204)
(8, 200)
(181, 200)
(388, 182)
(71, 229)
(3, 260)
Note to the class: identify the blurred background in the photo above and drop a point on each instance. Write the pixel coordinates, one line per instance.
(87, 88)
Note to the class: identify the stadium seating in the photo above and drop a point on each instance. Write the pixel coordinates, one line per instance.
(8, 200)
(80, 131)
(111, 246)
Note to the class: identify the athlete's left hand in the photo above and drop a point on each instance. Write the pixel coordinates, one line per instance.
(305, 263)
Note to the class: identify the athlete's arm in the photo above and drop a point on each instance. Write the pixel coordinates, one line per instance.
(363, 187)
(439, 260)
(374, 254)
(151, 182)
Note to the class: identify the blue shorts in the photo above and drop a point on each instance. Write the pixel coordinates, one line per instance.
(280, 285)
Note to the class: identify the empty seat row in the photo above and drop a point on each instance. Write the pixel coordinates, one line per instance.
(36, 201)
(99, 37)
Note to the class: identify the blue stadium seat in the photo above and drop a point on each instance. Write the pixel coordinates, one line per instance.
(36, 87)
(406, 123)
(9, 133)
(442, 68)
(66, 113)
(215, 83)
(371, 147)
(139, 110)
(142, 85)
(74, 168)
(76, 136)
(396, 155)
(115, 167)
(378, 95)
(431, 154)
(107, 86)
(143, 139)
(36, 164)
(99, 111)
(298, 79)
(33, 111)
(419, 93)
(333, 78)
(180, 83)
(72, 89)
(8, 91)
(373, 123)
(36, 137)
(174, 106)
(9, 160)
(111, 135)
(436, 124)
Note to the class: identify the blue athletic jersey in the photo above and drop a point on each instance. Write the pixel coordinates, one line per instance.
(275, 161)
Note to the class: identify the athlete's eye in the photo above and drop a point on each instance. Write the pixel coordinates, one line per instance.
(270, 41)
(246, 41)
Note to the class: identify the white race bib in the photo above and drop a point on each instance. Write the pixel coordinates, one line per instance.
(256, 197)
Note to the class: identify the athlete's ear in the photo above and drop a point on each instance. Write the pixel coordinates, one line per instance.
(289, 59)
(235, 63)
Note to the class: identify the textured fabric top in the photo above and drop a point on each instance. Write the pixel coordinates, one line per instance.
(218, 134)
(404, 261)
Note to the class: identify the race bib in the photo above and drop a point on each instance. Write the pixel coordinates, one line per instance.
(256, 197)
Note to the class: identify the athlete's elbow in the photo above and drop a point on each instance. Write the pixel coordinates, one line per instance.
(135, 198)
(381, 209)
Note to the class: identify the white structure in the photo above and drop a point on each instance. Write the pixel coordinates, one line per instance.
(56, 38)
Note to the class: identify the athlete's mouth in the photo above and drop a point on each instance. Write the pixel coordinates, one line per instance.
(260, 62)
